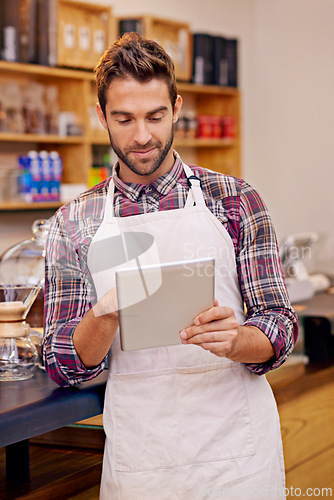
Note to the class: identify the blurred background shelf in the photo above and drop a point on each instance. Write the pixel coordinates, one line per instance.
(13, 206)
(41, 138)
(77, 94)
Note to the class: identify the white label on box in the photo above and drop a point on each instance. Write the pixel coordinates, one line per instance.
(69, 36)
(199, 70)
(99, 41)
(223, 72)
(9, 41)
(84, 38)
(183, 47)
(183, 38)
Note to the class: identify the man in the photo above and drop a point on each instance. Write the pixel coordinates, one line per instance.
(198, 419)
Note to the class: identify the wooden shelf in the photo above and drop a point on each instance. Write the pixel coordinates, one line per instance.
(100, 140)
(180, 143)
(207, 89)
(47, 138)
(204, 143)
(22, 205)
(47, 71)
(77, 94)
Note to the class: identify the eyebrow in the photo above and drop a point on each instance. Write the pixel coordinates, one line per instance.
(126, 113)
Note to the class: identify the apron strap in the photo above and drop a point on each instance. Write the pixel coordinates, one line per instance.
(109, 207)
(195, 194)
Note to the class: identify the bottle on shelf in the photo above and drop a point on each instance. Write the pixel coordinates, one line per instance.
(40, 176)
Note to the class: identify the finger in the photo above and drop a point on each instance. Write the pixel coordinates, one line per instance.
(222, 326)
(212, 314)
(214, 336)
(192, 331)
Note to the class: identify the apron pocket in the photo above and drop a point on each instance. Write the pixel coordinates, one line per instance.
(176, 417)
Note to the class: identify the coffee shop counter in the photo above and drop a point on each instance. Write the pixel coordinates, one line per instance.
(32, 407)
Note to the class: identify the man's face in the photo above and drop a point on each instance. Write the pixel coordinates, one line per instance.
(140, 123)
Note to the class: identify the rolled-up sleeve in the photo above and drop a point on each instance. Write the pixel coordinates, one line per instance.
(69, 294)
(261, 280)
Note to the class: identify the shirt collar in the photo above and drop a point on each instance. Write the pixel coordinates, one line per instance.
(163, 184)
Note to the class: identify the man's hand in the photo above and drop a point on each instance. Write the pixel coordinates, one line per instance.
(215, 330)
(218, 331)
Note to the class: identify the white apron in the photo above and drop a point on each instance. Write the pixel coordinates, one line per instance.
(182, 423)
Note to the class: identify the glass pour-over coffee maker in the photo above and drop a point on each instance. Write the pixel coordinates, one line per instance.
(18, 354)
(23, 264)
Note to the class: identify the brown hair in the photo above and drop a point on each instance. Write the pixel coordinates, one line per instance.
(142, 59)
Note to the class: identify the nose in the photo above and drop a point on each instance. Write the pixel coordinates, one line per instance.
(142, 133)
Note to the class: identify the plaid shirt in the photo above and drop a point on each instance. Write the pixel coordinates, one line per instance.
(69, 292)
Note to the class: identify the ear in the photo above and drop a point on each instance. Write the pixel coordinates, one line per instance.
(101, 116)
(177, 108)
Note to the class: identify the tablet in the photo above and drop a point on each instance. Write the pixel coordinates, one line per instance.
(156, 302)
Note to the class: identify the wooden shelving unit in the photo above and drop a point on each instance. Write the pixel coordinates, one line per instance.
(77, 94)
(41, 139)
(21, 205)
(204, 143)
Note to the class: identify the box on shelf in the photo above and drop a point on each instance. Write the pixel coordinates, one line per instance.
(174, 36)
(202, 59)
(84, 32)
(215, 60)
(232, 61)
(55, 32)
(9, 30)
(76, 33)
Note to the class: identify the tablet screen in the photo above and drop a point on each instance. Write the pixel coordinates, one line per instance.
(157, 302)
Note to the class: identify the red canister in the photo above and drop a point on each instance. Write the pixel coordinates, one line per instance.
(216, 127)
(229, 127)
(204, 126)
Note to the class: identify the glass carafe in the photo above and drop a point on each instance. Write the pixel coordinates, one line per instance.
(24, 263)
(18, 354)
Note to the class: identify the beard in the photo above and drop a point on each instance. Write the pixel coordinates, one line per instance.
(137, 165)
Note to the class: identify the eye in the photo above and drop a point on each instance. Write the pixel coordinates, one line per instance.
(124, 121)
(155, 118)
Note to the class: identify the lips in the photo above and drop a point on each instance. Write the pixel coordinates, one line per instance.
(143, 154)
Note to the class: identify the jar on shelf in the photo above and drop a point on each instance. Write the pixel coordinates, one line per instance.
(191, 125)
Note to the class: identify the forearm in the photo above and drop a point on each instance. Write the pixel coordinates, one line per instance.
(251, 346)
(261, 281)
(93, 337)
(69, 295)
